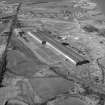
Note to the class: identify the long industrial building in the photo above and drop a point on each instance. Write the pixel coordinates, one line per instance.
(68, 53)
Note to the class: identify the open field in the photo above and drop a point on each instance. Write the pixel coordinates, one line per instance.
(34, 1)
(44, 74)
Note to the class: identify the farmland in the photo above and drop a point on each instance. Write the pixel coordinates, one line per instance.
(52, 53)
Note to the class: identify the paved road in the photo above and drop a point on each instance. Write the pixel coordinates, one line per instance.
(69, 53)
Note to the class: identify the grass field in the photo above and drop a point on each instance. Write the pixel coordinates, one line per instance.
(38, 1)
